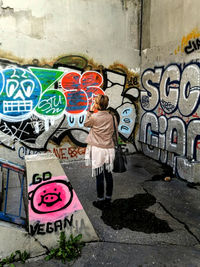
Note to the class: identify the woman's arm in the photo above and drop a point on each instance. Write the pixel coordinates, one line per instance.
(89, 121)
(116, 126)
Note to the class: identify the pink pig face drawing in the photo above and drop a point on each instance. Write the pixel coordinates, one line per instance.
(51, 196)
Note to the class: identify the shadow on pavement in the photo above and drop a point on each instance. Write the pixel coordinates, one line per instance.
(131, 213)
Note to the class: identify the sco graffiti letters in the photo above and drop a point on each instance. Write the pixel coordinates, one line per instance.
(169, 129)
(172, 88)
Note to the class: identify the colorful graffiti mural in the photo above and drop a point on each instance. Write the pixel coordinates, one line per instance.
(169, 129)
(24, 92)
(39, 104)
(80, 90)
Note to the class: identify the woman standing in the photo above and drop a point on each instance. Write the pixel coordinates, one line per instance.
(100, 149)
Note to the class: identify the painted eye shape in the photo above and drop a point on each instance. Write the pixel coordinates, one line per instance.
(28, 87)
(11, 86)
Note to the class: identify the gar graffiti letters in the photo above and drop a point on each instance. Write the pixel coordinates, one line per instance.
(172, 136)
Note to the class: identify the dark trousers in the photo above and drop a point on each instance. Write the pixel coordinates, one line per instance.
(100, 184)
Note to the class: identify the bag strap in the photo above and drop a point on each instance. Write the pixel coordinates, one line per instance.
(115, 132)
(116, 141)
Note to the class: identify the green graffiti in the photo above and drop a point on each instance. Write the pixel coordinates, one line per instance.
(47, 77)
(73, 61)
(52, 103)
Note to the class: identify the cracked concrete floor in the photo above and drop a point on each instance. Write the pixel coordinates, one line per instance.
(176, 203)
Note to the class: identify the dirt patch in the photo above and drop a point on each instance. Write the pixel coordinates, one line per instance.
(167, 172)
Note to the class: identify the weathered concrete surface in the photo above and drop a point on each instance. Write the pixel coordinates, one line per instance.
(127, 185)
(117, 255)
(50, 30)
(180, 247)
(180, 201)
(15, 238)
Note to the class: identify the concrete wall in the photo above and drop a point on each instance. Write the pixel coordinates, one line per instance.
(46, 45)
(170, 72)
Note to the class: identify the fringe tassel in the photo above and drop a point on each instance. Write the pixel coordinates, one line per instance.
(109, 167)
(97, 171)
(87, 162)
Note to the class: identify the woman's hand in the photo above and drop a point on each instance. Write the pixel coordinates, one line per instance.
(93, 107)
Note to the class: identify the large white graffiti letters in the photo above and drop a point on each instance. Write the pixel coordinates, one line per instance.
(168, 130)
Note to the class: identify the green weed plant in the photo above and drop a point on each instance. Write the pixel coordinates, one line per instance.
(14, 257)
(68, 250)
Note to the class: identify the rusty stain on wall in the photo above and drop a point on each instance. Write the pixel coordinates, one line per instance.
(78, 61)
(132, 77)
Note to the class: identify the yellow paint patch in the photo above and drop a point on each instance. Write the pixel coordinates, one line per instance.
(192, 35)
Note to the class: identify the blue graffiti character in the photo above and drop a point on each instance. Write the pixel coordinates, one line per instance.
(20, 94)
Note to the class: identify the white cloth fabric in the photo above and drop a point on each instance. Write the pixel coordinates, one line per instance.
(99, 157)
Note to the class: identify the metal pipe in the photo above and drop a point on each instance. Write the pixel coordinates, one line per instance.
(21, 196)
(6, 197)
(141, 21)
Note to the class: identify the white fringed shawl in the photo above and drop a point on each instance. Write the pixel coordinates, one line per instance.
(99, 157)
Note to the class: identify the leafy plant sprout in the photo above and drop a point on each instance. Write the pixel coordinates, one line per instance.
(67, 250)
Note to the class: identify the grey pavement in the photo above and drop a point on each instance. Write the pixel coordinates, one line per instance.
(177, 203)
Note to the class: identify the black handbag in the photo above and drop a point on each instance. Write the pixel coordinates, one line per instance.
(120, 159)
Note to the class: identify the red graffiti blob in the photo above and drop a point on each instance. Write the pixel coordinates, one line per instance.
(80, 90)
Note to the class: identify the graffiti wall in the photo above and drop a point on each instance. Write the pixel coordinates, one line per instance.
(169, 127)
(43, 108)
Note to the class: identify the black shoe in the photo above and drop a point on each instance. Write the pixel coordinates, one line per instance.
(99, 204)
